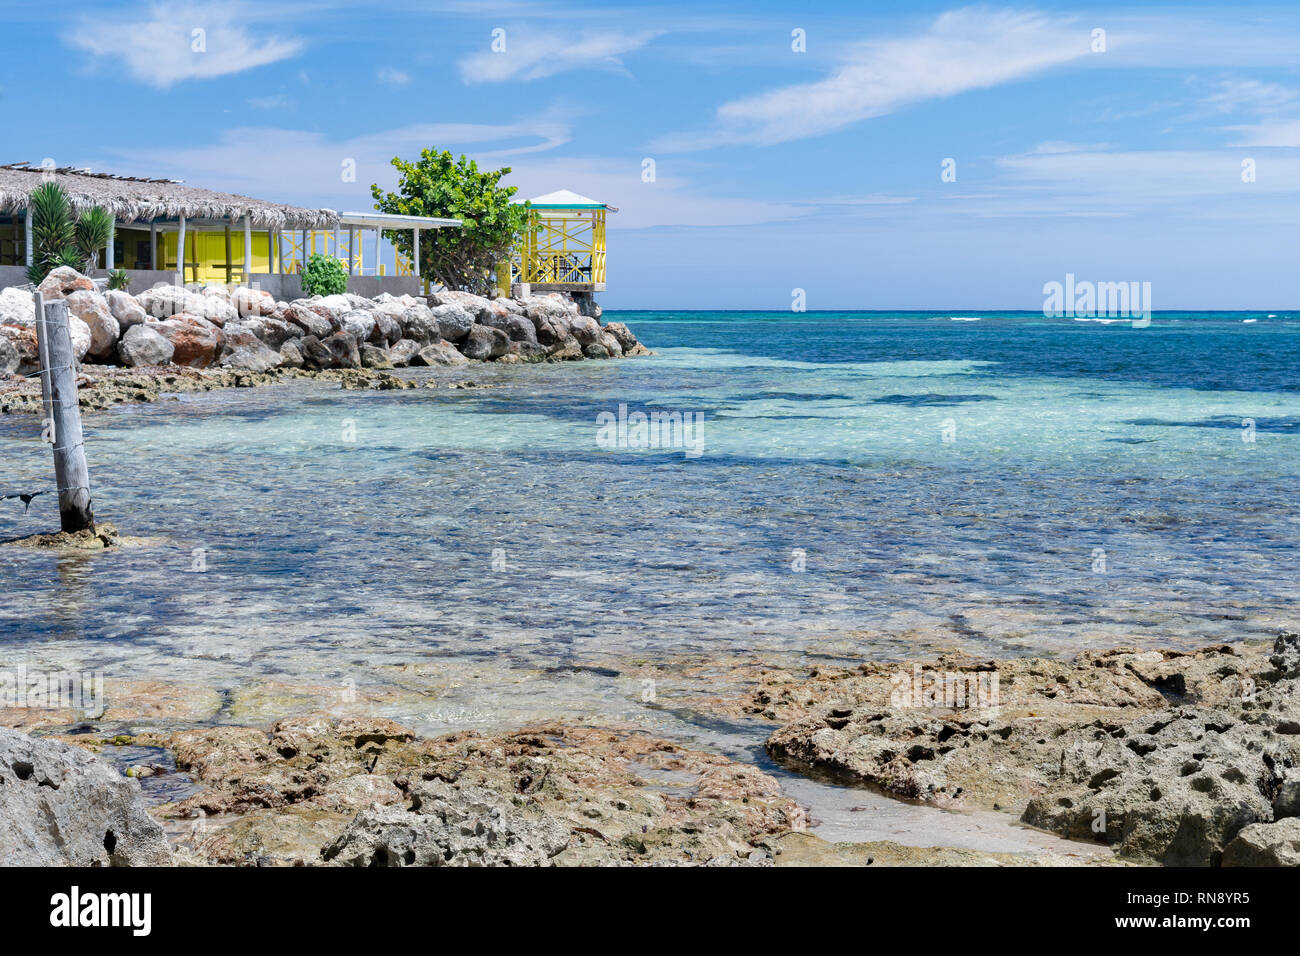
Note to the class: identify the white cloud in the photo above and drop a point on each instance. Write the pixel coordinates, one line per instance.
(304, 167)
(963, 50)
(1254, 96)
(279, 101)
(1279, 133)
(393, 77)
(164, 48)
(531, 54)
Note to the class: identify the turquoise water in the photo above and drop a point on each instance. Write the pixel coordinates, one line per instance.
(865, 485)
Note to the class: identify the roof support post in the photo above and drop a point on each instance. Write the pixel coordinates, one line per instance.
(180, 253)
(28, 228)
(379, 238)
(229, 256)
(153, 244)
(248, 249)
(273, 250)
(352, 250)
(110, 251)
(415, 259)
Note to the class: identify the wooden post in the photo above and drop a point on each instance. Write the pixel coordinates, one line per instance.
(228, 255)
(153, 244)
(70, 473)
(248, 250)
(43, 356)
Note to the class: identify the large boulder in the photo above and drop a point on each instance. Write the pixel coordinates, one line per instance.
(343, 348)
(403, 351)
(626, 340)
(23, 342)
(359, 324)
(387, 329)
(291, 354)
(9, 357)
(439, 353)
(518, 328)
(144, 345)
(475, 305)
(196, 342)
(124, 308)
(373, 356)
(332, 307)
(92, 308)
(454, 321)
(611, 345)
(217, 308)
(585, 330)
(80, 335)
(61, 806)
(1265, 844)
(451, 824)
(485, 343)
(252, 302)
(62, 282)
(309, 320)
(17, 308)
(166, 301)
(274, 332)
(242, 349)
(315, 355)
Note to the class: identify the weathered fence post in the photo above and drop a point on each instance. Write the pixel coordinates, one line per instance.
(43, 356)
(70, 473)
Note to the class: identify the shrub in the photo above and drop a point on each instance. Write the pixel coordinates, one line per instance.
(118, 279)
(61, 240)
(324, 275)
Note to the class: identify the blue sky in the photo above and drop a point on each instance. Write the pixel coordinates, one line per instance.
(774, 169)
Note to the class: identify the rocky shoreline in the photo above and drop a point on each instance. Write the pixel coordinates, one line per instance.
(1165, 757)
(176, 339)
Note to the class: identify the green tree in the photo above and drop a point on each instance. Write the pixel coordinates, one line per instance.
(438, 185)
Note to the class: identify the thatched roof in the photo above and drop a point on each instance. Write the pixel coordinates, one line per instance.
(130, 199)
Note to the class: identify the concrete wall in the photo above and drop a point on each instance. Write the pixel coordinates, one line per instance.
(288, 287)
(12, 275)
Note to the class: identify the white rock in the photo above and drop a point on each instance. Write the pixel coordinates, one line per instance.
(92, 309)
(17, 308)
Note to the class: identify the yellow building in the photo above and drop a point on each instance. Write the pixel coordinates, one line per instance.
(565, 251)
(170, 231)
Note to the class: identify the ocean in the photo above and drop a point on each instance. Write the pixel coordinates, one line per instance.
(846, 486)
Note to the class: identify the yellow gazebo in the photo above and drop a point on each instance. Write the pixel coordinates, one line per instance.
(565, 251)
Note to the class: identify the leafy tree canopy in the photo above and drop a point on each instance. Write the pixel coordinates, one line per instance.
(438, 185)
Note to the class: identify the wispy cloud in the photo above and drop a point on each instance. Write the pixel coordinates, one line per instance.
(1255, 96)
(531, 54)
(172, 43)
(393, 77)
(963, 50)
(305, 167)
(279, 101)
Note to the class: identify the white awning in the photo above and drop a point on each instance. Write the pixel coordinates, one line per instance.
(383, 220)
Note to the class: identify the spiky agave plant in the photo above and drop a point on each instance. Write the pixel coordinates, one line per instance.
(53, 234)
(91, 235)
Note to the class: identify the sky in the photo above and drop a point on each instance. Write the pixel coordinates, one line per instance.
(874, 155)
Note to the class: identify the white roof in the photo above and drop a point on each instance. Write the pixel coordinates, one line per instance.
(385, 220)
(567, 197)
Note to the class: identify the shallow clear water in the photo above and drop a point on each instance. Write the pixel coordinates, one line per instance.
(1095, 489)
